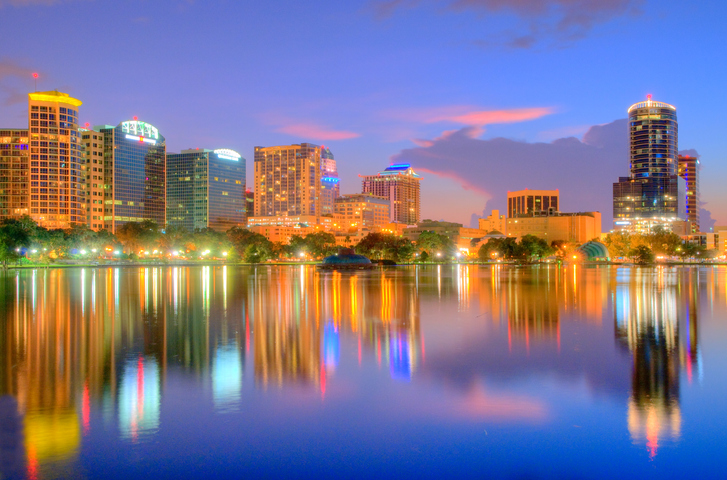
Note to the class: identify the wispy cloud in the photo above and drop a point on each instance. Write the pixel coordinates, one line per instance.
(316, 132)
(558, 21)
(11, 89)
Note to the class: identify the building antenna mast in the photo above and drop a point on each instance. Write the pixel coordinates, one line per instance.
(35, 76)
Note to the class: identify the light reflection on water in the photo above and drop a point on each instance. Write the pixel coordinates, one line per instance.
(123, 358)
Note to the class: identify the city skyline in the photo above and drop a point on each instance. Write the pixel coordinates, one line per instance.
(432, 101)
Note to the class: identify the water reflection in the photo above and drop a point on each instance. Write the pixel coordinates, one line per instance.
(656, 319)
(85, 349)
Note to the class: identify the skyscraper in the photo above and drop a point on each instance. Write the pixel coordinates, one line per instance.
(289, 180)
(134, 174)
(206, 189)
(653, 194)
(400, 185)
(689, 171)
(55, 187)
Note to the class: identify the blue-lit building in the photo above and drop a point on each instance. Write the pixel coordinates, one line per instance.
(206, 189)
(654, 194)
(134, 174)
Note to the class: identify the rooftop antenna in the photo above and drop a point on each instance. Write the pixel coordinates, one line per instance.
(35, 76)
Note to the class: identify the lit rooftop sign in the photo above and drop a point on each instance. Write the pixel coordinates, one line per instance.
(140, 129)
(227, 154)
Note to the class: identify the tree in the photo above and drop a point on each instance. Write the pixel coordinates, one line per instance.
(642, 255)
(136, 236)
(434, 243)
(505, 248)
(380, 246)
(533, 248)
(15, 236)
(242, 239)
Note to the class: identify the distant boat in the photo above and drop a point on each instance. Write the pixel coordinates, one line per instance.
(346, 259)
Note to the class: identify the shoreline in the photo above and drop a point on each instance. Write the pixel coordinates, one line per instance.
(288, 264)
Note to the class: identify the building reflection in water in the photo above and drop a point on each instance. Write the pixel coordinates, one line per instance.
(299, 322)
(86, 344)
(656, 315)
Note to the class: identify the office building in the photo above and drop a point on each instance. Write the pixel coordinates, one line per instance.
(40, 167)
(288, 180)
(689, 171)
(134, 174)
(14, 173)
(93, 174)
(653, 194)
(525, 202)
(400, 185)
(555, 226)
(206, 189)
(361, 211)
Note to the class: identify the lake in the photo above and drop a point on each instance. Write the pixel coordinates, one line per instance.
(433, 371)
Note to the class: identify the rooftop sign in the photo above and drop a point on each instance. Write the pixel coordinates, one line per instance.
(140, 129)
(227, 154)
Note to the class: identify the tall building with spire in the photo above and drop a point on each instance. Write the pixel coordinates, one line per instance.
(653, 194)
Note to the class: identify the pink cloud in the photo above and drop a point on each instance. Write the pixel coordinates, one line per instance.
(316, 132)
(467, 115)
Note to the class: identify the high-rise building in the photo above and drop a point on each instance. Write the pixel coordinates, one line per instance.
(134, 174)
(330, 189)
(206, 189)
(14, 173)
(93, 173)
(494, 223)
(689, 171)
(400, 185)
(288, 180)
(653, 194)
(40, 167)
(526, 202)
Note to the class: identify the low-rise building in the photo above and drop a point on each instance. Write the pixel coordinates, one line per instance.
(361, 211)
(494, 222)
(571, 227)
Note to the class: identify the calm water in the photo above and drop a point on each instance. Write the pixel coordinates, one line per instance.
(451, 371)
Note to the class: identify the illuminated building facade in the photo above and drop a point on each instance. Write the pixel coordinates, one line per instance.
(206, 189)
(289, 179)
(93, 174)
(134, 174)
(525, 202)
(689, 171)
(494, 222)
(653, 195)
(14, 173)
(400, 185)
(57, 199)
(360, 211)
(571, 227)
(40, 167)
(330, 188)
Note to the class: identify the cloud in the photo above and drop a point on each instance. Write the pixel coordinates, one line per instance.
(583, 170)
(561, 21)
(316, 132)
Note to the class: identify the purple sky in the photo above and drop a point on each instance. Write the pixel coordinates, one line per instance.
(480, 95)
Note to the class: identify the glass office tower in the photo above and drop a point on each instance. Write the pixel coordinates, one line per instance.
(134, 174)
(653, 195)
(206, 189)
